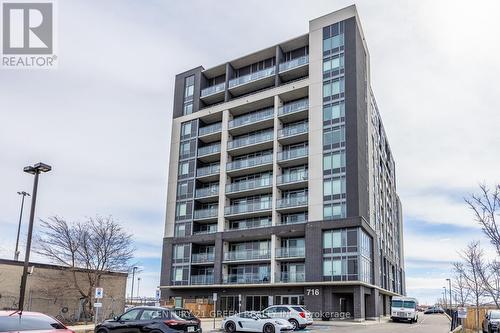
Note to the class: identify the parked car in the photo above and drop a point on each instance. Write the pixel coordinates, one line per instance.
(491, 322)
(299, 317)
(434, 309)
(186, 314)
(148, 319)
(13, 321)
(255, 322)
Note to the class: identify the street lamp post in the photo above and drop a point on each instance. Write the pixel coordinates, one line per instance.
(16, 252)
(34, 170)
(138, 286)
(445, 302)
(451, 300)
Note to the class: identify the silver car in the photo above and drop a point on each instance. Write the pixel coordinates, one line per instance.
(299, 317)
(491, 322)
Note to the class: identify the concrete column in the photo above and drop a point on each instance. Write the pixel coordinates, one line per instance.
(273, 258)
(218, 257)
(223, 178)
(359, 303)
(276, 168)
(372, 306)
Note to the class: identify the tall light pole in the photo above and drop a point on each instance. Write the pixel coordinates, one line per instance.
(451, 301)
(445, 302)
(133, 278)
(34, 170)
(16, 252)
(138, 285)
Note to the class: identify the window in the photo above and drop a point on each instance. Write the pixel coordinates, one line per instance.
(334, 63)
(334, 211)
(178, 273)
(183, 169)
(334, 186)
(334, 162)
(181, 252)
(189, 86)
(180, 230)
(186, 129)
(182, 189)
(333, 111)
(151, 314)
(333, 137)
(188, 108)
(131, 315)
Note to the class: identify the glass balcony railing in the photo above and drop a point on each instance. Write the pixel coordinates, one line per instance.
(207, 191)
(249, 224)
(250, 140)
(292, 178)
(207, 150)
(202, 257)
(294, 218)
(294, 63)
(292, 202)
(292, 153)
(248, 207)
(212, 128)
(208, 170)
(247, 255)
(206, 229)
(251, 118)
(289, 252)
(287, 277)
(293, 130)
(249, 184)
(202, 279)
(213, 89)
(246, 278)
(252, 77)
(295, 106)
(205, 213)
(249, 162)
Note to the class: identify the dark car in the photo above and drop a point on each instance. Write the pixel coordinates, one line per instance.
(13, 321)
(491, 322)
(186, 315)
(149, 319)
(434, 309)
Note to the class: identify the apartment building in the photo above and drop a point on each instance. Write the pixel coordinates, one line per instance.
(282, 185)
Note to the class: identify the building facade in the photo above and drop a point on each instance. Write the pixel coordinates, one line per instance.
(282, 186)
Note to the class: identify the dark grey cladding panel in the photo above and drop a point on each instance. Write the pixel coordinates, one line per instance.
(356, 122)
(179, 91)
(166, 262)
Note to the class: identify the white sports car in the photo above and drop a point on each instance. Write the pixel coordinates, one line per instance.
(255, 322)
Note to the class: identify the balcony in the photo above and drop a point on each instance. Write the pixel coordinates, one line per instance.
(251, 143)
(207, 192)
(210, 133)
(206, 214)
(247, 255)
(287, 277)
(249, 209)
(205, 229)
(252, 82)
(292, 204)
(290, 252)
(293, 111)
(294, 69)
(249, 224)
(202, 279)
(246, 278)
(257, 163)
(294, 218)
(291, 181)
(263, 118)
(209, 173)
(296, 156)
(213, 94)
(249, 187)
(202, 258)
(293, 134)
(209, 153)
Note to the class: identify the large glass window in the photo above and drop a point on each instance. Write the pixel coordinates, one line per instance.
(189, 86)
(334, 188)
(334, 210)
(333, 111)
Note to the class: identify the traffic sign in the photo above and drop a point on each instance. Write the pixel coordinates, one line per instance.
(97, 305)
(99, 292)
(214, 297)
(158, 294)
(462, 312)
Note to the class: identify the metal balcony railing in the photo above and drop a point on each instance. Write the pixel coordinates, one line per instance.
(248, 208)
(250, 224)
(207, 191)
(288, 252)
(205, 213)
(249, 184)
(208, 170)
(213, 89)
(252, 77)
(295, 106)
(207, 150)
(249, 162)
(292, 202)
(293, 153)
(250, 140)
(251, 118)
(202, 279)
(292, 178)
(212, 128)
(210, 229)
(202, 257)
(246, 278)
(293, 130)
(284, 66)
(292, 277)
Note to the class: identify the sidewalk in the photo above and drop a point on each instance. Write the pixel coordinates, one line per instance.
(82, 328)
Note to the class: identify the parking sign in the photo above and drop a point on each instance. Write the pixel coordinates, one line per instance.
(99, 292)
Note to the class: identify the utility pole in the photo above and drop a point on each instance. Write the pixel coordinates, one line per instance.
(133, 279)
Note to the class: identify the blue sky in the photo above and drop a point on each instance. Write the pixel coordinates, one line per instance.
(102, 119)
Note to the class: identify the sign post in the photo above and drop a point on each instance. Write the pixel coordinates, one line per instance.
(99, 292)
(462, 314)
(214, 297)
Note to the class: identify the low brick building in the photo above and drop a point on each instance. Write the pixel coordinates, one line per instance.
(50, 289)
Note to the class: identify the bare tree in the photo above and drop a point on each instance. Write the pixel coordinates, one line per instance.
(97, 245)
(486, 208)
(471, 258)
(459, 285)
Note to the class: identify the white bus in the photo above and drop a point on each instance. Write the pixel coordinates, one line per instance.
(404, 308)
